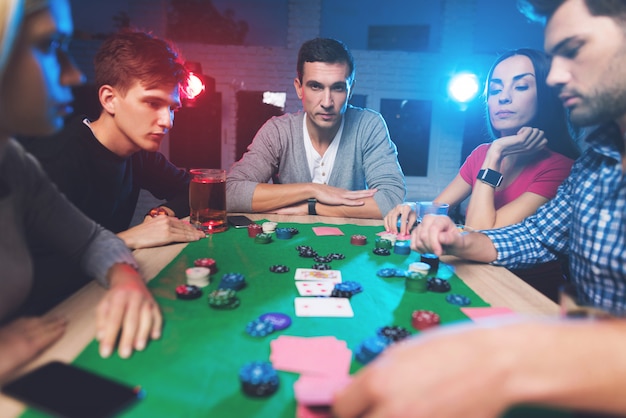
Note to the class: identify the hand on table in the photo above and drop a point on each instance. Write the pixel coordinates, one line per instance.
(127, 308)
(160, 230)
(407, 215)
(23, 339)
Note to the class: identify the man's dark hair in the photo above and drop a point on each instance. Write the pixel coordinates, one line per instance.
(129, 56)
(326, 50)
(542, 10)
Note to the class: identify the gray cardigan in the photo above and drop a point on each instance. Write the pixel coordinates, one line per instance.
(366, 158)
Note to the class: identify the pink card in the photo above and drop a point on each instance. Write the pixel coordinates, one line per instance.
(318, 390)
(477, 314)
(326, 230)
(313, 355)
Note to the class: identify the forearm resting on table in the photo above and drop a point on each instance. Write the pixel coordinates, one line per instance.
(369, 210)
(268, 197)
(473, 246)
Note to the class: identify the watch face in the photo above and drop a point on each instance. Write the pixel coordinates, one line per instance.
(491, 176)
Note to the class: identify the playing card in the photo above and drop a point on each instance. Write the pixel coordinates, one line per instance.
(325, 307)
(316, 288)
(333, 276)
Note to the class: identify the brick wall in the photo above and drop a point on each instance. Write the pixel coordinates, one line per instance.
(380, 74)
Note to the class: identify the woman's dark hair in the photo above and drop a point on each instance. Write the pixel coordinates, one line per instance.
(550, 116)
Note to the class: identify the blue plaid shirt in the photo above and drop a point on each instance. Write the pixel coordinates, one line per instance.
(585, 221)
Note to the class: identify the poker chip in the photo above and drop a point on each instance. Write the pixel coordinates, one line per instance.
(254, 230)
(263, 238)
(381, 251)
(206, 262)
(386, 272)
(458, 300)
(370, 348)
(301, 248)
(435, 284)
(419, 267)
(283, 233)
(394, 333)
(259, 328)
(416, 282)
(389, 237)
(349, 286)
(432, 260)
(279, 268)
(323, 259)
(336, 256)
(402, 248)
(358, 240)
(308, 253)
(321, 266)
(198, 276)
(401, 273)
(336, 293)
(223, 299)
(294, 231)
(188, 292)
(258, 379)
(269, 227)
(383, 243)
(279, 320)
(423, 319)
(234, 281)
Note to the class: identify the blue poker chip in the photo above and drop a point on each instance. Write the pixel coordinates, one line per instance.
(386, 272)
(401, 273)
(259, 328)
(349, 286)
(458, 300)
(235, 281)
(279, 320)
(258, 378)
(370, 348)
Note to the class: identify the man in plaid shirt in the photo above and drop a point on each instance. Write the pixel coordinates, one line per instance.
(557, 362)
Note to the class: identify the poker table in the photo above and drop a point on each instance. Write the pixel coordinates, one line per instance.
(193, 369)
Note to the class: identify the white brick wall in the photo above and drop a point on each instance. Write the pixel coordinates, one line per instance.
(380, 74)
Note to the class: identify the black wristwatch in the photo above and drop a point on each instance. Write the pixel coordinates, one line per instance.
(312, 201)
(490, 177)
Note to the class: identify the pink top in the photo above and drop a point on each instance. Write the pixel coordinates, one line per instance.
(542, 177)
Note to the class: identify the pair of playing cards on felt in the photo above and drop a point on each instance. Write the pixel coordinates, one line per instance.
(315, 288)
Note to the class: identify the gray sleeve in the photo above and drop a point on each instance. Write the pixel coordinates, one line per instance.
(380, 162)
(105, 250)
(257, 165)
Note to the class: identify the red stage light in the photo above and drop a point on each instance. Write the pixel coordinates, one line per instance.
(193, 87)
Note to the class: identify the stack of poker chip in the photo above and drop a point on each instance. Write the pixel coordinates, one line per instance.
(383, 243)
(258, 379)
(438, 285)
(346, 289)
(402, 248)
(269, 227)
(259, 327)
(423, 319)
(389, 237)
(284, 233)
(419, 267)
(393, 333)
(234, 281)
(416, 282)
(254, 230)
(263, 238)
(432, 260)
(458, 300)
(358, 240)
(223, 299)
(206, 262)
(370, 348)
(188, 292)
(198, 276)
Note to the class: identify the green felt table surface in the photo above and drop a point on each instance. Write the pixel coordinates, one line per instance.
(192, 371)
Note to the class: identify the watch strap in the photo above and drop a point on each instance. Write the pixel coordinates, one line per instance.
(312, 202)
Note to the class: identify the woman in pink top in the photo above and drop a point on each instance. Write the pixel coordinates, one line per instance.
(530, 155)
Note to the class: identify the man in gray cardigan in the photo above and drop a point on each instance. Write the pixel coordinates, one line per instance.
(331, 159)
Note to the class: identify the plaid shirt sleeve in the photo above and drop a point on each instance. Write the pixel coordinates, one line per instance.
(539, 238)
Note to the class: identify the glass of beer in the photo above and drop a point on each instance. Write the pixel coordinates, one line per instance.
(207, 199)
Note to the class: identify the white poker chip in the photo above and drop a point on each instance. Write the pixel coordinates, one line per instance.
(269, 227)
(198, 276)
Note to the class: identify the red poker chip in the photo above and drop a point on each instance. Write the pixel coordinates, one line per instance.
(188, 292)
(254, 229)
(423, 319)
(206, 262)
(358, 240)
